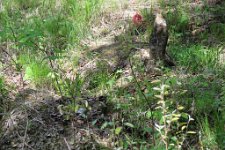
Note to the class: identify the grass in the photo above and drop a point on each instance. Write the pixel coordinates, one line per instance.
(3, 97)
(208, 135)
(195, 57)
(44, 28)
(37, 72)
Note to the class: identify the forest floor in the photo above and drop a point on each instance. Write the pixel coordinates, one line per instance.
(38, 119)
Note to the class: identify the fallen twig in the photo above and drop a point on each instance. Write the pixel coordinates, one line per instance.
(67, 144)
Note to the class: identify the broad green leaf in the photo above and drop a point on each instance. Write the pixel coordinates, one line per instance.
(185, 115)
(180, 107)
(174, 119)
(191, 132)
(129, 124)
(118, 130)
(86, 104)
(149, 130)
(105, 124)
(160, 102)
(156, 81)
(94, 122)
(166, 93)
(184, 127)
(191, 119)
(157, 89)
(176, 115)
(148, 114)
(159, 96)
(174, 138)
(164, 86)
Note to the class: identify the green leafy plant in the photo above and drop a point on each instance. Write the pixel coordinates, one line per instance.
(173, 125)
(72, 87)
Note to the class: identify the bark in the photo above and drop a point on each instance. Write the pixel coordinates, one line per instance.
(158, 42)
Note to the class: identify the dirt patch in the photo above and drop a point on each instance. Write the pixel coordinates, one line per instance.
(38, 123)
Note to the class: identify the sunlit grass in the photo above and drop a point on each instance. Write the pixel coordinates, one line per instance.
(45, 27)
(195, 57)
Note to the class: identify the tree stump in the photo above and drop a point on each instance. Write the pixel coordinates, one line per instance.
(158, 42)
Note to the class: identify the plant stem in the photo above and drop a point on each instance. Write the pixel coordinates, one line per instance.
(146, 99)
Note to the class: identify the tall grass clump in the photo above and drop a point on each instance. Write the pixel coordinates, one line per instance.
(195, 57)
(208, 135)
(3, 97)
(45, 29)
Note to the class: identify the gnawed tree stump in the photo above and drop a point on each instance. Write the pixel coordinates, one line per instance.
(158, 42)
